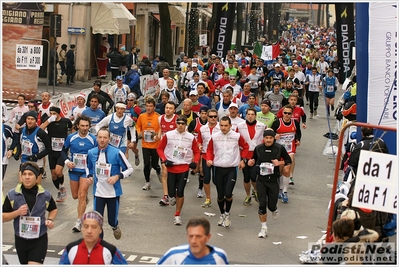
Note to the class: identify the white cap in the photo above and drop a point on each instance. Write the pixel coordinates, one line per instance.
(81, 95)
(277, 65)
(131, 95)
(193, 92)
(194, 65)
(233, 105)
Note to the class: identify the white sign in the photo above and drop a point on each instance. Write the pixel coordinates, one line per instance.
(383, 57)
(376, 182)
(149, 84)
(267, 52)
(203, 39)
(28, 56)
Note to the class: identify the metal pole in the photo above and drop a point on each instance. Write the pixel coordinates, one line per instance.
(186, 33)
(55, 62)
(48, 56)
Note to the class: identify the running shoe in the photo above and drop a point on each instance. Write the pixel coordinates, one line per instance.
(44, 176)
(311, 116)
(207, 203)
(315, 112)
(200, 194)
(263, 232)
(332, 107)
(247, 201)
(117, 232)
(275, 214)
(159, 174)
(280, 194)
(284, 197)
(78, 226)
(177, 220)
(147, 186)
(172, 201)
(164, 201)
(59, 197)
(255, 196)
(63, 192)
(137, 161)
(227, 221)
(221, 220)
(291, 181)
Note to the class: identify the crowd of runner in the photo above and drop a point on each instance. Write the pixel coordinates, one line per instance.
(229, 109)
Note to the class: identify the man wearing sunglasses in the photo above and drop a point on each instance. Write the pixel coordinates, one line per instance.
(288, 134)
(233, 83)
(178, 150)
(204, 137)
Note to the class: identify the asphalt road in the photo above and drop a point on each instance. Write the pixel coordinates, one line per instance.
(148, 230)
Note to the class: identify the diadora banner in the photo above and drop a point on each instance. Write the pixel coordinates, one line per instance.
(345, 38)
(383, 64)
(224, 28)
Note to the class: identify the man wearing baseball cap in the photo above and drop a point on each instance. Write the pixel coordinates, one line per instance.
(196, 106)
(79, 108)
(277, 74)
(91, 249)
(119, 91)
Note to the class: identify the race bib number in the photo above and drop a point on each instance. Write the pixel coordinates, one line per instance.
(80, 161)
(149, 136)
(179, 153)
(336, 70)
(330, 88)
(312, 87)
(119, 97)
(103, 170)
(287, 140)
(18, 116)
(275, 105)
(26, 147)
(29, 227)
(57, 143)
(266, 168)
(115, 140)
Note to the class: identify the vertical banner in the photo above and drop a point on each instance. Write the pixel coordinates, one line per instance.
(345, 38)
(224, 28)
(383, 56)
(24, 19)
(376, 67)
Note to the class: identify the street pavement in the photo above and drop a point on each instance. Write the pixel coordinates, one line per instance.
(148, 230)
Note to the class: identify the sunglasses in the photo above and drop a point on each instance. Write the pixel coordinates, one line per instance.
(130, 100)
(29, 106)
(180, 122)
(287, 113)
(213, 117)
(232, 79)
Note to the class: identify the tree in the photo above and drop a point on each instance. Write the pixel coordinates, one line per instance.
(253, 23)
(192, 29)
(166, 34)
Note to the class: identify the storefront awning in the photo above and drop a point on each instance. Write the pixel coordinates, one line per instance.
(111, 18)
(177, 14)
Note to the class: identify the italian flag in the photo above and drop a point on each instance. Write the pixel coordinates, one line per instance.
(267, 52)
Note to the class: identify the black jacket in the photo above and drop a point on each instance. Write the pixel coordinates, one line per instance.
(116, 59)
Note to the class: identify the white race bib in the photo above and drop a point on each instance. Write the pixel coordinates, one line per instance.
(266, 168)
(115, 140)
(80, 161)
(148, 136)
(57, 143)
(276, 105)
(312, 87)
(103, 170)
(179, 153)
(29, 227)
(330, 88)
(286, 140)
(26, 147)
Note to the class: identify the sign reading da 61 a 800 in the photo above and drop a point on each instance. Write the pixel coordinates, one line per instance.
(376, 182)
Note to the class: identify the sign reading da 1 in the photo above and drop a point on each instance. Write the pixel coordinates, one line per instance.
(376, 182)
